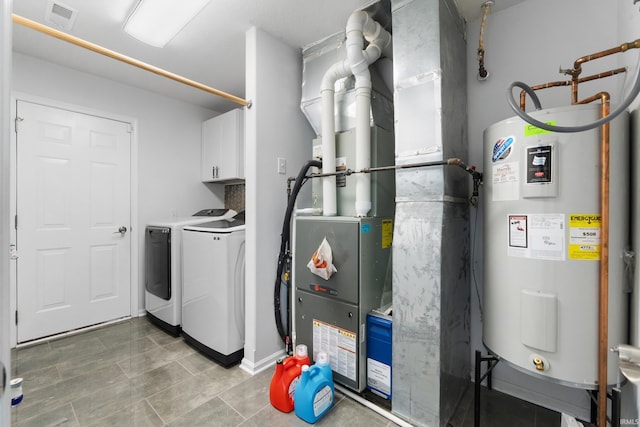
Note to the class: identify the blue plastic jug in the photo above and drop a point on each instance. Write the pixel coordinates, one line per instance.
(314, 394)
(322, 361)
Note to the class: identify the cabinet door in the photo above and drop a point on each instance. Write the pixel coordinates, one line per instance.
(231, 141)
(223, 147)
(211, 136)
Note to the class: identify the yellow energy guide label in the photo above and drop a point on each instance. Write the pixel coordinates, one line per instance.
(584, 236)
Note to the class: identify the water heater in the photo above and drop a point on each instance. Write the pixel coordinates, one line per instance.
(542, 244)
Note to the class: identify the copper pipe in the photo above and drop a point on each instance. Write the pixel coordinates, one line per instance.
(575, 83)
(577, 65)
(523, 94)
(603, 291)
(482, 72)
(603, 323)
(126, 59)
(591, 99)
(603, 75)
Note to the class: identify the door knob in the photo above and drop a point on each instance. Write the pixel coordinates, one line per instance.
(122, 230)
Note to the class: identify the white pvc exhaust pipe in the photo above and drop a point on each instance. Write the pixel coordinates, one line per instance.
(359, 27)
(327, 92)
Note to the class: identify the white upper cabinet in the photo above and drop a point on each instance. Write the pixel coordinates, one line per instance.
(223, 147)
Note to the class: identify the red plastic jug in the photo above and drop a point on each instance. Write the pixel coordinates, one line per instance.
(285, 379)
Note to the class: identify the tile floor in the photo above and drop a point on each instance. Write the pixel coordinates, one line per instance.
(133, 374)
(501, 410)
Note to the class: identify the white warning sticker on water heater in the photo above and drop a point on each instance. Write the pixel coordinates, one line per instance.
(340, 344)
(518, 231)
(505, 181)
(537, 236)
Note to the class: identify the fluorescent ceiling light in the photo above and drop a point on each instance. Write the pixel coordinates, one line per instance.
(155, 22)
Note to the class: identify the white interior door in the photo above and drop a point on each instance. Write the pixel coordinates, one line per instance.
(73, 220)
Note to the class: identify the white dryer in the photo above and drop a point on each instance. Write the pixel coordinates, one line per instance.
(163, 267)
(213, 257)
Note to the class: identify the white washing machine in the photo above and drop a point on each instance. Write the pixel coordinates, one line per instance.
(163, 267)
(213, 289)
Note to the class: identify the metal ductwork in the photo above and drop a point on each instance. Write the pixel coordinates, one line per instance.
(431, 280)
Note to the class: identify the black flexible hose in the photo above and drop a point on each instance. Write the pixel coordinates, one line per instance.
(285, 244)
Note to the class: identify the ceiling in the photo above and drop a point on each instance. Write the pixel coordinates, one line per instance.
(210, 50)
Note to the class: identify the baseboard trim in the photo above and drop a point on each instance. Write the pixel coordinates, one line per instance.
(254, 368)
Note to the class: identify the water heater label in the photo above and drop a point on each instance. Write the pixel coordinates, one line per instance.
(518, 231)
(505, 181)
(502, 148)
(544, 234)
(539, 164)
(531, 130)
(584, 236)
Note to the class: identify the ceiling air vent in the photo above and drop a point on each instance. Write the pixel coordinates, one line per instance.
(60, 15)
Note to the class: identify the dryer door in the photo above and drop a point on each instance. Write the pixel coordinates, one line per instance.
(157, 245)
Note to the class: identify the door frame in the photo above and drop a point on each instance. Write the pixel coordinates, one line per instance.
(135, 235)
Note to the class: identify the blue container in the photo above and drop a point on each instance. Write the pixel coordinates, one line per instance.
(379, 345)
(322, 362)
(314, 394)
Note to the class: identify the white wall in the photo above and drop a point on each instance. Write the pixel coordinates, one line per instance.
(628, 25)
(628, 31)
(168, 140)
(529, 42)
(5, 138)
(275, 127)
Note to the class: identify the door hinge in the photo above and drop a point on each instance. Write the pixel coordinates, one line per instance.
(16, 317)
(17, 121)
(15, 221)
(129, 128)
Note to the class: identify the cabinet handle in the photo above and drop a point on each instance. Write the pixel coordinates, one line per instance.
(217, 172)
